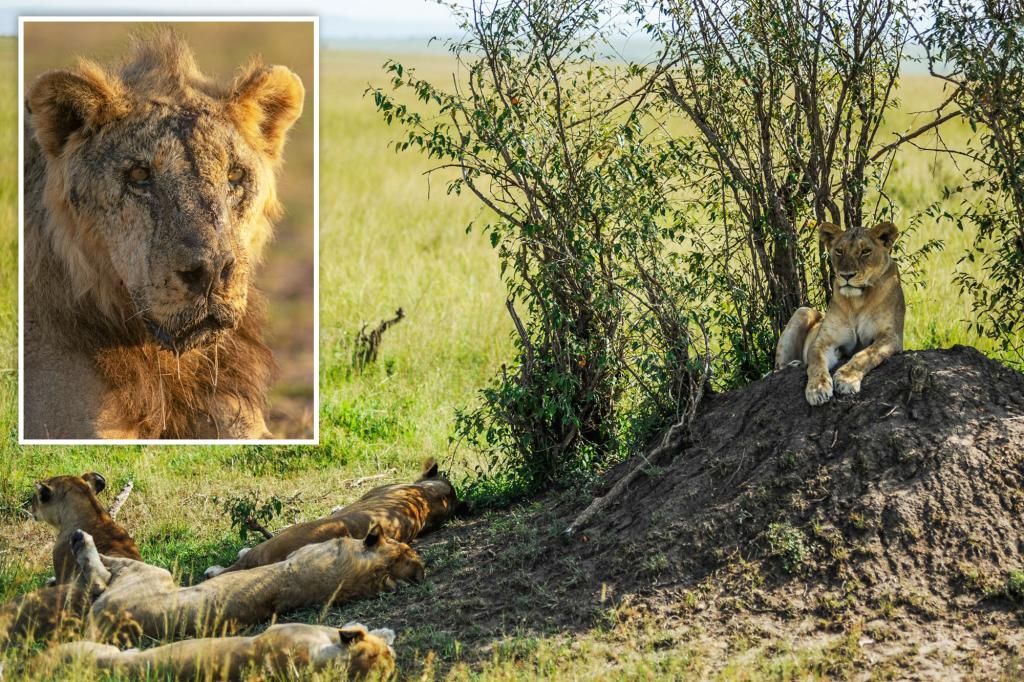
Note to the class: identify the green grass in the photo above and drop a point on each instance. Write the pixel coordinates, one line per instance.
(389, 240)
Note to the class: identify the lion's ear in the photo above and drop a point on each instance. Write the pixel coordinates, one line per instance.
(264, 103)
(372, 537)
(352, 632)
(387, 634)
(829, 233)
(44, 492)
(95, 481)
(63, 103)
(885, 233)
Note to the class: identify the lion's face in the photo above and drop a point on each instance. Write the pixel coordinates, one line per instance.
(166, 184)
(369, 652)
(402, 562)
(859, 257)
(176, 197)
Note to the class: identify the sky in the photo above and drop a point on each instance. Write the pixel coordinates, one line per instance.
(339, 21)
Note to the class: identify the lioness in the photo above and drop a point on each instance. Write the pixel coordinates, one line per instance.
(69, 503)
(139, 599)
(66, 503)
(149, 196)
(403, 512)
(282, 651)
(864, 319)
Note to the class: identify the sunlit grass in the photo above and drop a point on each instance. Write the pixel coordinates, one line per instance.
(390, 240)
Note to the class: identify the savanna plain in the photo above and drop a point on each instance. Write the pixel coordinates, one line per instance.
(391, 238)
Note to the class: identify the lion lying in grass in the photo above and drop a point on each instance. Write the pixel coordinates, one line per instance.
(150, 193)
(282, 651)
(67, 503)
(402, 512)
(137, 599)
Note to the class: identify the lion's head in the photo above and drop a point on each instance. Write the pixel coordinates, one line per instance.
(402, 563)
(369, 651)
(57, 497)
(160, 183)
(444, 500)
(859, 257)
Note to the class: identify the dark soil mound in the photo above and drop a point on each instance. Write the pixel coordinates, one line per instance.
(914, 486)
(907, 496)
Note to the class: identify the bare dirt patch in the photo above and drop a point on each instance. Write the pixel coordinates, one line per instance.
(886, 525)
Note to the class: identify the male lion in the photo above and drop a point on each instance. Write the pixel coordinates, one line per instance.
(136, 599)
(282, 651)
(149, 196)
(402, 512)
(864, 320)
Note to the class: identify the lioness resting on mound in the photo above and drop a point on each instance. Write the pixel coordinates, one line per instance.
(66, 503)
(282, 651)
(864, 319)
(149, 197)
(139, 599)
(402, 512)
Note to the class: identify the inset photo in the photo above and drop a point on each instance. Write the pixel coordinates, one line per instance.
(168, 242)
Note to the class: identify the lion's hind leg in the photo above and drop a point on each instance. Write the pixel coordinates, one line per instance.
(102, 656)
(793, 340)
(93, 575)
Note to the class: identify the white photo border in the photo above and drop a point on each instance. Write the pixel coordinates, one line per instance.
(315, 20)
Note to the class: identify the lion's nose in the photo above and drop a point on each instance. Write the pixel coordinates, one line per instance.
(847, 275)
(206, 275)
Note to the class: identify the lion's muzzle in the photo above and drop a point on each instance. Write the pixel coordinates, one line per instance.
(201, 330)
(206, 275)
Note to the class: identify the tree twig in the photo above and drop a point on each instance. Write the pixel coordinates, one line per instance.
(121, 498)
(255, 526)
(367, 345)
(599, 504)
(356, 482)
(525, 338)
(910, 136)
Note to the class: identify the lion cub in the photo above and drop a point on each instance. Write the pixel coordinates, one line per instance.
(69, 503)
(865, 316)
(282, 650)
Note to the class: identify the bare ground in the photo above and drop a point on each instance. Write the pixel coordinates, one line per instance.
(884, 527)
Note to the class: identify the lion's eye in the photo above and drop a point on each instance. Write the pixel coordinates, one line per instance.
(839, 252)
(139, 175)
(236, 174)
(865, 252)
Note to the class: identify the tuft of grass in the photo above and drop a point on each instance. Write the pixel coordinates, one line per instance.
(789, 544)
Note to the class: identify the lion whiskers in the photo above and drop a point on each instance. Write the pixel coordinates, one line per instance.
(138, 312)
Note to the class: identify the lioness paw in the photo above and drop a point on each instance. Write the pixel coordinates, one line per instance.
(213, 572)
(848, 382)
(819, 391)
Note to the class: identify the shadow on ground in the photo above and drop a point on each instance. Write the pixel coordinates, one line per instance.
(897, 512)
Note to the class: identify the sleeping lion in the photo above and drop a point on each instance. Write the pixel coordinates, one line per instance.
(135, 599)
(282, 651)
